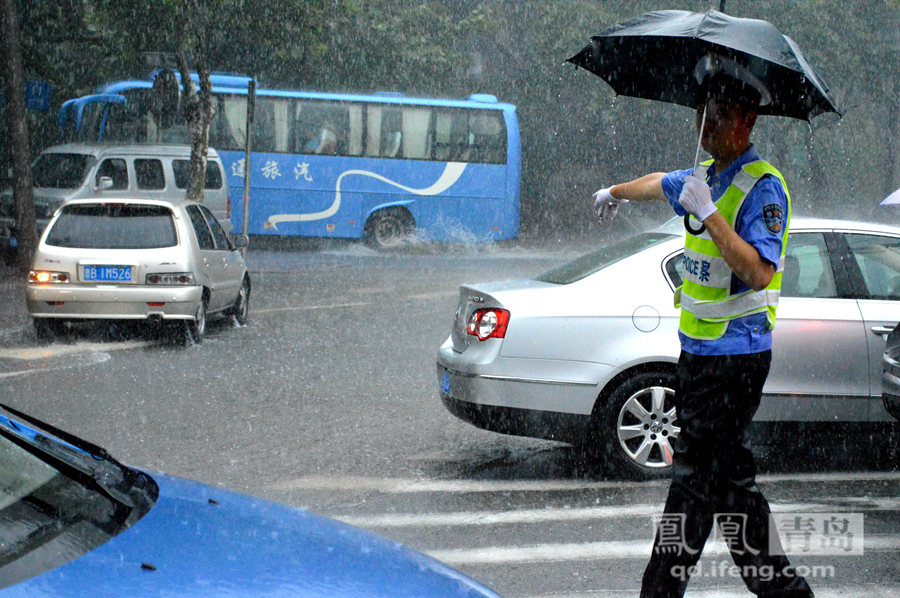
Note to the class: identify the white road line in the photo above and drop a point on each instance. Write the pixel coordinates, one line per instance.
(405, 485)
(826, 505)
(436, 295)
(86, 358)
(273, 310)
(597, 551)
(504, 518)
(57, 350)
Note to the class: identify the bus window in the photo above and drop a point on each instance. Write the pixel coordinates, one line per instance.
(373, 137)
(488, 137)
(391, 132)
(328, 128)
(384, 138)
(228, 130)
(451, 134)
(355, 132)
(177, 134)
(415, 136)
(91, 121)
(130, 122)
(271, 125)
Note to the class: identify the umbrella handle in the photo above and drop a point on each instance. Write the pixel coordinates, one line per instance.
(687, 217)
(687, 226)
(699, 139)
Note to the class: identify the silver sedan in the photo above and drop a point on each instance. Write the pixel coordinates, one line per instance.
(586, 352)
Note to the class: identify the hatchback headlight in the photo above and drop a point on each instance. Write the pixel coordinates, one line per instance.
(171, 279)
(45, 276)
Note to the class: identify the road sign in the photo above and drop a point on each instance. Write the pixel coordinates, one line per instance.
(37, 95)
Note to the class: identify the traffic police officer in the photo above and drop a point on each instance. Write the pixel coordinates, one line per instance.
(732, 280)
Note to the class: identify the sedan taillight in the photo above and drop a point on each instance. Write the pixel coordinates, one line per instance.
(171, 278)
(43, 276)
(488, 322)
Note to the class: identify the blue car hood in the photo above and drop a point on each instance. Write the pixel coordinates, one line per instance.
(199, 540)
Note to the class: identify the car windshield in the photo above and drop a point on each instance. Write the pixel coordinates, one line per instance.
(605, 256)
(61, 171)
(113, 226)
(51, 514)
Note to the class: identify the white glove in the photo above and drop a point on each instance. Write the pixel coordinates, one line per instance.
(606, 205)
(695, 198)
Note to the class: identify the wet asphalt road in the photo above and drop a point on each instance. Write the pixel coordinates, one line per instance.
(327, 399)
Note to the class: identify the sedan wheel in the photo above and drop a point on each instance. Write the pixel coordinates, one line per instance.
(47, 329)
(641, 423)
(196, 329)
(241, 308)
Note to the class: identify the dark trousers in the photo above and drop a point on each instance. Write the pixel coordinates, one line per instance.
(714, 475)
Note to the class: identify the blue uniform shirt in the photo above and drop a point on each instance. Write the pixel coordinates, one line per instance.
(749, 334)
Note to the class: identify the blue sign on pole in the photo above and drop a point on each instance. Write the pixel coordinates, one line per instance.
(37, 95)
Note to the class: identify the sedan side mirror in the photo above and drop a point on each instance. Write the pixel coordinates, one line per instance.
(240, 241)
(106, 182)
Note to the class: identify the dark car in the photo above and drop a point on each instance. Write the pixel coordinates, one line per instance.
(890, 379)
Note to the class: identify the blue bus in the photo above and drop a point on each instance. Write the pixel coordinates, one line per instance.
(380, 166)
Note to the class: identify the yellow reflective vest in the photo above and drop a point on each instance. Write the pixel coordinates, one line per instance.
(705, 298)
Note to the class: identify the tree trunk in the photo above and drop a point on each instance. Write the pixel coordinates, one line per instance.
(23, 193)
(197, 106)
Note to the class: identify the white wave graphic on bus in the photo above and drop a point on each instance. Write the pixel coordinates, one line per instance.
(448, 178)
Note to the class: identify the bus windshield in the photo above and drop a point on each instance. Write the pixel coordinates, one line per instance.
(372, 166)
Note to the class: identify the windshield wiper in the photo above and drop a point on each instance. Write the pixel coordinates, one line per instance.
(110, 476)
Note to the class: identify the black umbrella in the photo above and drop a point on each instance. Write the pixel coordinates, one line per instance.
(665, 55)
(654, 56)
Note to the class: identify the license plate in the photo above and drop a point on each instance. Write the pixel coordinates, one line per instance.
(107, 273)
(445, 383)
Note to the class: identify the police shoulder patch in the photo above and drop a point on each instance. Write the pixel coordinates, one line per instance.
(773, 214)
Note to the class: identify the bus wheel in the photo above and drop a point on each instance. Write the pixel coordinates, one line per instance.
(388, 228)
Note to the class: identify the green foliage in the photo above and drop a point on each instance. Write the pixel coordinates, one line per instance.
(577, 135)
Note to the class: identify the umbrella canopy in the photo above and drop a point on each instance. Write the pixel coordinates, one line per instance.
(656, 55)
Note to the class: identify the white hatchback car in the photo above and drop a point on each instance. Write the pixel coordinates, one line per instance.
(586, 352)
(137, 259)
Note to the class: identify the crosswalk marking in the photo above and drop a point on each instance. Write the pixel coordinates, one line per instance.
(838, 504)
(596, 551)
(874, 591)
(626, 542)
(404, 485)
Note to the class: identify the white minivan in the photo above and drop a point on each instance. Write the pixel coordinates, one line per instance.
(99, 170)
